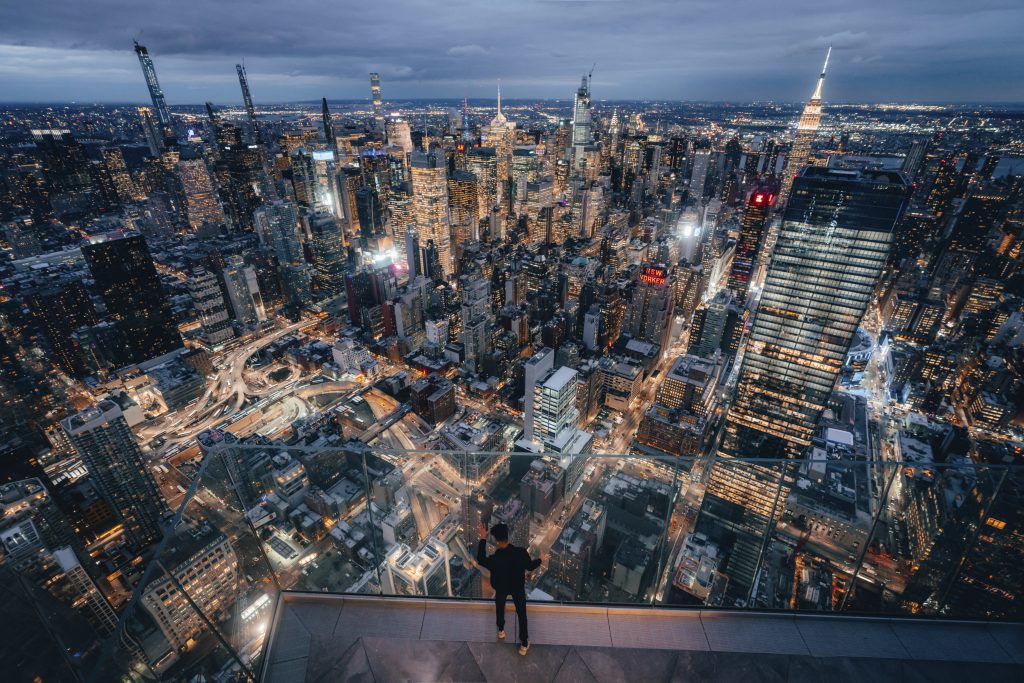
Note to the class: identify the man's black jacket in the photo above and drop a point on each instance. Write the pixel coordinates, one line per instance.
(508, 566)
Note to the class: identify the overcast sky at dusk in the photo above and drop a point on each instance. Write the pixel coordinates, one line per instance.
(884, 50)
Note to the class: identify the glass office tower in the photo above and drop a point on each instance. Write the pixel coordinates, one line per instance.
(833, 244)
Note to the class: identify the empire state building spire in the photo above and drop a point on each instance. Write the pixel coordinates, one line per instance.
(806, 131)
(821, 78)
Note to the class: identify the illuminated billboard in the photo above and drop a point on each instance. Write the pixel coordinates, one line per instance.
(654, 275)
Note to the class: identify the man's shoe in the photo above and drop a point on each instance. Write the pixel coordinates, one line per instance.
(524, 648)
(501, 634)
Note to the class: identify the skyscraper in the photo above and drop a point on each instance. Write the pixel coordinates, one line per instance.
(398, 132)
(155, 92)
(279, 222)
(204, 564)
(332, 142)
(834, 241)
(464, 206)
(699, 174)
(126, 278)
(243, 80)
(806, 131)
(649, 318)
(72, 192)
(118, 469)
(329, 258)
(582, 127)
(202, 206)
(378, 107)
(243, 292)
(755, 219)
(535, 368)
(208, 301)
(500, 133)
(430, 205)
(59, 309)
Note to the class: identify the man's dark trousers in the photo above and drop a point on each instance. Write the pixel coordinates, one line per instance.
(519, 600)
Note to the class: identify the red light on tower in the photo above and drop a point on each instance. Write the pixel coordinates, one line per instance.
(759, 198)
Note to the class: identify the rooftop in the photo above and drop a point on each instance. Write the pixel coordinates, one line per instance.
(318, 637)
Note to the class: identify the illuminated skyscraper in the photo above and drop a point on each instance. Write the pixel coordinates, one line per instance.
(582, 127)
(206, 580)
(59, 309)
(208, 301)
(752, 229)
(153, 138)
(649, 318)
(279, 222)
(464, 206)
(117, 171)
(202, 205)
(72, 192)
(118, 469)
(378, 107)
(418, 572)
(500, 134)
(699, 174)
(430, 205)
(399, 133)
(123, 270)
(243, 292)
(250, 110)
(329, 258)
(806, 131)
(483, 163)
(155, 92)
(832, 246)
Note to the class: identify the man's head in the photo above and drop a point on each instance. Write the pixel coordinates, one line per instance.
(500, 534)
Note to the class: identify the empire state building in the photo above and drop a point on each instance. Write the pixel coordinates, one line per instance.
(806, 131)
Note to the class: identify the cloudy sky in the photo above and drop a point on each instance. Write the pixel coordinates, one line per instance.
(884, 50)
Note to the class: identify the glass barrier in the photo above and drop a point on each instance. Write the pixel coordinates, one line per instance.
(817, 535)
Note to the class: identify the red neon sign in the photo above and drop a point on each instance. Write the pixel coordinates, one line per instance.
(653, 275)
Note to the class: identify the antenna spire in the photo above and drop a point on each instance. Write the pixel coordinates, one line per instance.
(821, 78)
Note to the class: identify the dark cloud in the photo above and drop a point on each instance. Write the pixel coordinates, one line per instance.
(887, 50)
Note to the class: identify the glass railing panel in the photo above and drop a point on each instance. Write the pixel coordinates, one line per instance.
(823, 518)
(990, 572)
(730, 508)
(896, 538)
(678, 580)
(939, 514)
(596, 522)
(179, 611)
(314, 514)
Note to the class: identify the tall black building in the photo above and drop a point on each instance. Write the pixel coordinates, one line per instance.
(126, 278)
(752, 234)
(58, 310)
(69, 175)
(833, 243)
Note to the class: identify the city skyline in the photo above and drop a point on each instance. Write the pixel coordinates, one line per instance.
(692, 355)
(883, 53)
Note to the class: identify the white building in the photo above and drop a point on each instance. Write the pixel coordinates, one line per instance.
(421, 572)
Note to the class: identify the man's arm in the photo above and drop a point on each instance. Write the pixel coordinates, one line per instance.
(481, 554)
(531, 563)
